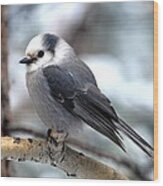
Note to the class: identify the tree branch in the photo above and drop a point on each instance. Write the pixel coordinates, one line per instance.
(55, 152)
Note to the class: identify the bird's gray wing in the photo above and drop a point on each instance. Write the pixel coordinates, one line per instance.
(68, 91)
(85, 101)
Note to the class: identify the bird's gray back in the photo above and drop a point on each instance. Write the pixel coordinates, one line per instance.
(81, 72)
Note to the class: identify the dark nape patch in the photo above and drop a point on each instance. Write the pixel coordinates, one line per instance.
(50, 41)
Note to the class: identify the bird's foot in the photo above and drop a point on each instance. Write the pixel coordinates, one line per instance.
(55, 142)
(56, 136)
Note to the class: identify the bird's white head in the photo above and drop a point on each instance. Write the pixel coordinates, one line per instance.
(45, 49)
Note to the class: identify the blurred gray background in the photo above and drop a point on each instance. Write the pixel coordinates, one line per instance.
(116, 41)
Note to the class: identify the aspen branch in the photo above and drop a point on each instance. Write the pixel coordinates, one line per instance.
(138, 172)
(55, 152)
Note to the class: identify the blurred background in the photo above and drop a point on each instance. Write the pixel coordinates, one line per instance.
(115, 40)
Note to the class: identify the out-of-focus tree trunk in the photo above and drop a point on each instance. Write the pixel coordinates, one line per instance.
(5, 108)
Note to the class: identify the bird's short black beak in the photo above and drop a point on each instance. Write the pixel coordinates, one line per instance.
(26, 61)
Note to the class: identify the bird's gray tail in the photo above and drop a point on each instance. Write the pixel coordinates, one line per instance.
(135, 137)
(96, 110)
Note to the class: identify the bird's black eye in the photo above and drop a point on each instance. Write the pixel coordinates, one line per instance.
(40, 53)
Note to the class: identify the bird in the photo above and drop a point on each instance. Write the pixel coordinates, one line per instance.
(66, 96)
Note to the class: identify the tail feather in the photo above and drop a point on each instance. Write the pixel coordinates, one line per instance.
(96, 110)
(135, 137)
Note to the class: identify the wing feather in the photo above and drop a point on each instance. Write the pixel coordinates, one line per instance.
(84, 100)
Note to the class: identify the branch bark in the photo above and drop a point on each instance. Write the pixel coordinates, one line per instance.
(55, 152)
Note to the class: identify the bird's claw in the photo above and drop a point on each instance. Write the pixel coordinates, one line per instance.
(56, 136)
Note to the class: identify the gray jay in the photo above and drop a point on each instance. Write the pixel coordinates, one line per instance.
(65, 93)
